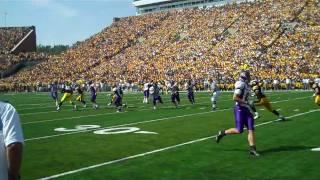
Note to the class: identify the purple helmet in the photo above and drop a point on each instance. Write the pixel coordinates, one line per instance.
(245, 75)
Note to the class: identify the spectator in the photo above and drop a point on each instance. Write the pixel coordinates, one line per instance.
(11, 143)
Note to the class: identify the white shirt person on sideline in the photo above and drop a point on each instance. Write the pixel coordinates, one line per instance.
(11, 142)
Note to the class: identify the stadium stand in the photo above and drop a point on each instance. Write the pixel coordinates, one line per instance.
(275, 39)
(17, 49)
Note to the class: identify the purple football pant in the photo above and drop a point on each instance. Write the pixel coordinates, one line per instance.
(243, 117)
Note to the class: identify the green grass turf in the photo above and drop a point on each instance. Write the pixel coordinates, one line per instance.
(284, 146)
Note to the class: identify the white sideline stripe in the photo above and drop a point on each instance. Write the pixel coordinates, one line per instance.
(158, 150)
(315, 149)
(128, 124)
(93, 115)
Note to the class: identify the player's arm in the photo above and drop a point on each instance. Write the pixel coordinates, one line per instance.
(237, 98)
(14, 158)
(256, 92)
(13, 139)
(239, 88)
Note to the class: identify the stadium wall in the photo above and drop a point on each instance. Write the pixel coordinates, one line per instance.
(151, 6)
(27, 44)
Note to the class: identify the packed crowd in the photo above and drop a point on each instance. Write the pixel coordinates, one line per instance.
(7, 61)
(275, 39)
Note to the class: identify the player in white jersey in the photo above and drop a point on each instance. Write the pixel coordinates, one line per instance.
(215, 93)
(11, 142)
(146, 87)
(242, 113)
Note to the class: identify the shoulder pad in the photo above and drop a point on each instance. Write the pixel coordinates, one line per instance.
(239, 85)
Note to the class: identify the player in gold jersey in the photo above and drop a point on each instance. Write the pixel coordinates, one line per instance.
(67, 96)
(80, 96)
(262, 99)
(316, 94)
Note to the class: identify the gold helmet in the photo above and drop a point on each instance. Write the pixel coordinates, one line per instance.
(315, 85)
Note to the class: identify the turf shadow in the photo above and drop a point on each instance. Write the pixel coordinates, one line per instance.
(285, 149)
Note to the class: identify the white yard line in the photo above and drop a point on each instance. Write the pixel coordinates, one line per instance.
(159, 150)
(128, 124)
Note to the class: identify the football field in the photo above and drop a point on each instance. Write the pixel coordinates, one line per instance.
(166, 143)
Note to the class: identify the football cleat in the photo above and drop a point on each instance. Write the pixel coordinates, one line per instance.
(254, 153)
(256, 116)
(220, 135)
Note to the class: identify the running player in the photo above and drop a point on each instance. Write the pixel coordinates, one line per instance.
(80, 97)
(54, 92)
(93, 93)
(155, 92)
(262, 100)
(242, 112)
(215, 93)
(175, 97)
(117, 98)
(146, 92)
(67, 96)
(190, 87)
(316, 94)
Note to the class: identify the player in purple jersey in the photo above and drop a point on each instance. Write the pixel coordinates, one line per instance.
(189, 87)
(155, 92)
(93, 93)
(117, 97)
(54, 92)
(146, 87)
(175, 97)
(242, 113)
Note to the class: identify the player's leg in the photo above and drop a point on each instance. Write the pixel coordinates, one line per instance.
(160, 99)
(251, 135)
(214, 101)
(83, 101)
(93, 100)
(192, 97)
(144, 97)
(154, 102)
(55, 98)
(69, 98)
(173, 100)
(61, 101)
(118, 104)
(255, 112)
(178, 98)
(268, 106)
(252, 143)
(317, 100)
(238, 115)
(147, 97)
